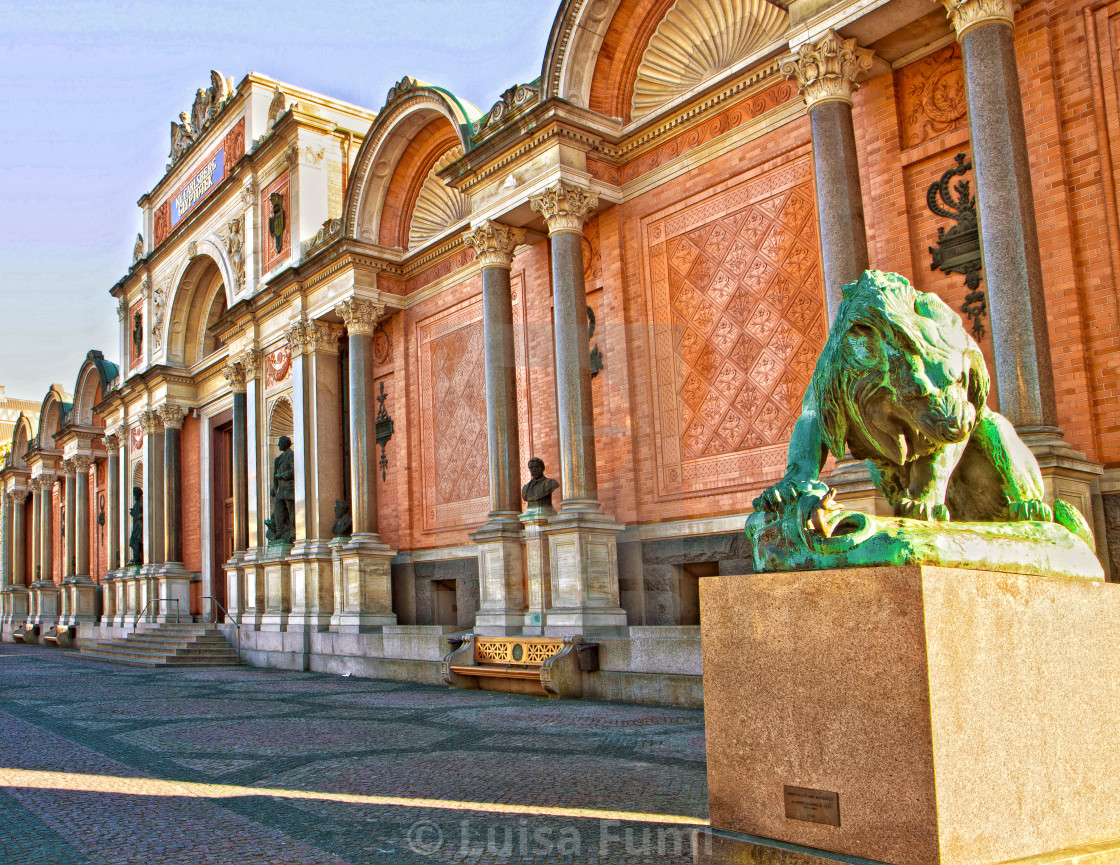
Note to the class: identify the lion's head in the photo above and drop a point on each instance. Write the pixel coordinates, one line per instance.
(899, 376)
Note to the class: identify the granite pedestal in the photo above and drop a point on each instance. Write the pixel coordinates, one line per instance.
(911, 715)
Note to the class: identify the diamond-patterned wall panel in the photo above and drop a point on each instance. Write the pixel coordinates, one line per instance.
(455, 468)
(737, 320)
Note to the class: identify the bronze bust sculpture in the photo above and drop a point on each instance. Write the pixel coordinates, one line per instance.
(538, 492)
(343, 522)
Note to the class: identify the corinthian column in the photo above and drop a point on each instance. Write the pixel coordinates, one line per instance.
(362, 586)
(583, 555)
(147, 583)
(826, 72)
(113, 447)
(69, 550)
(18, 535)
(174, 579)
(502, 596)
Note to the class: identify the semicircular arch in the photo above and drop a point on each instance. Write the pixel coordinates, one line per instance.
(21, 440)
(409, 112)
(94, 378)
(202, 286)
(52, 414)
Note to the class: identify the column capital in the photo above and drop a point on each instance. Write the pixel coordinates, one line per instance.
(234, 373)
(826, 70)
(964, 14)
(67, 467)
(172, 415)
(18, 496)
(361, 315)
(306, 336)
(250, 361)
(494, 242)
(113, 438)
(565, 206)
(81, 462)
(150, 421)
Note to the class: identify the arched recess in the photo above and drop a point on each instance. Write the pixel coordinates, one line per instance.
(21, 441)
(52, 414)
(418, 125)
(201, 297)
(93, 381)
(630, 58)
(281, 422)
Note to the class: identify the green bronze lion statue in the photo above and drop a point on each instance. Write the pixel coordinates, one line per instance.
(902, 385)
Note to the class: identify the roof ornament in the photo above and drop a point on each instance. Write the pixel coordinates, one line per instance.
(208, 103)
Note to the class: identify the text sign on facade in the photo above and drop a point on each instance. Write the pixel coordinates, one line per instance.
(212, 172)
(812, 806)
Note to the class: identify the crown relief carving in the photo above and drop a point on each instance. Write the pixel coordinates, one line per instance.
(249, 193)
(696, 41)
(826, 70)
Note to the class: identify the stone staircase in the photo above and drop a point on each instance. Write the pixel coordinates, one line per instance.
(167, 645)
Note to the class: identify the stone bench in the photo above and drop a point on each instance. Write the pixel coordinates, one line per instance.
(551, 663)
(61, 636)
(26, 634)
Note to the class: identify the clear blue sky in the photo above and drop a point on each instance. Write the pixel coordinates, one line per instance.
(87, 93)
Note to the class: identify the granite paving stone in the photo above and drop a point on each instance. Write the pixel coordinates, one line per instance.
(102, 764)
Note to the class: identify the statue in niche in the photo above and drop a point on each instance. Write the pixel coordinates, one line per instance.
(136, 538)
(282, 525)
(343, 522)
(276, 221)
(138, 333)
(902, 385)
(538, 492)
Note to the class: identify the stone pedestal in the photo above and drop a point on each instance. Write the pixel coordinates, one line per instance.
(109, 598)
(501, 579)
(64, 601)
(312, 587)
(1068, 475)
(583, 563)
(253, 610)
(915, 716)
(17, 609)
(44, 604)
(538, 576)
(363, 590)
(277, 579)
(174, 585)
(147, 593)
(235, 587)
(81, 601)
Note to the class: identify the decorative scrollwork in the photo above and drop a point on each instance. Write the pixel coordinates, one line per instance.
(384, 429)
(958, 249)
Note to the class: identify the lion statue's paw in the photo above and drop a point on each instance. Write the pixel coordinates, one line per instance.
(787, 492)
(915, 510)
(1030, 509)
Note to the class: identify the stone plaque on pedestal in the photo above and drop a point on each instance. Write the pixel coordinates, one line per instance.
(583, 564)
(277, 588)
(942, 716)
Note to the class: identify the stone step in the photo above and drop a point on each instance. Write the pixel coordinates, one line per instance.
(167, 645)
(169, 639)
(156, 661)
(170, 651)
(155, 654)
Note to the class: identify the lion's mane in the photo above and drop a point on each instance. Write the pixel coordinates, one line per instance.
(883, 308)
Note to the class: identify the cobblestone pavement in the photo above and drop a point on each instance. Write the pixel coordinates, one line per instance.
(103, 764)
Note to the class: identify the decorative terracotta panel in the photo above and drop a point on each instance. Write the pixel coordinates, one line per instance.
(931, 96)
(455, 467)
(137, 438)
(278, 366)
(737, 320)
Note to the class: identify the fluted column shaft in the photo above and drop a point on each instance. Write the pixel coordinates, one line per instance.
(18, 534)
(565, 208)
(36, 529)
(70, 554)
(112, 443)
(495, 243)
(361, 317)
(154, 529)
(825, 71)
(46, 526)
(81, 515)
(1005, 201)
(235, 375)
(172, 417)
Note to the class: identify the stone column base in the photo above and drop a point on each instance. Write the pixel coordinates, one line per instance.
(17, 609)
(253, 607)
(363, 589)
(81, 601)
(45, 604)
(854, 489)
(583, 563)
(108, 598)
(174, 585)
(277, 578)
(147, 593)
(501, 578)
(235, 587)
(1068, 475)
(312, 586)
